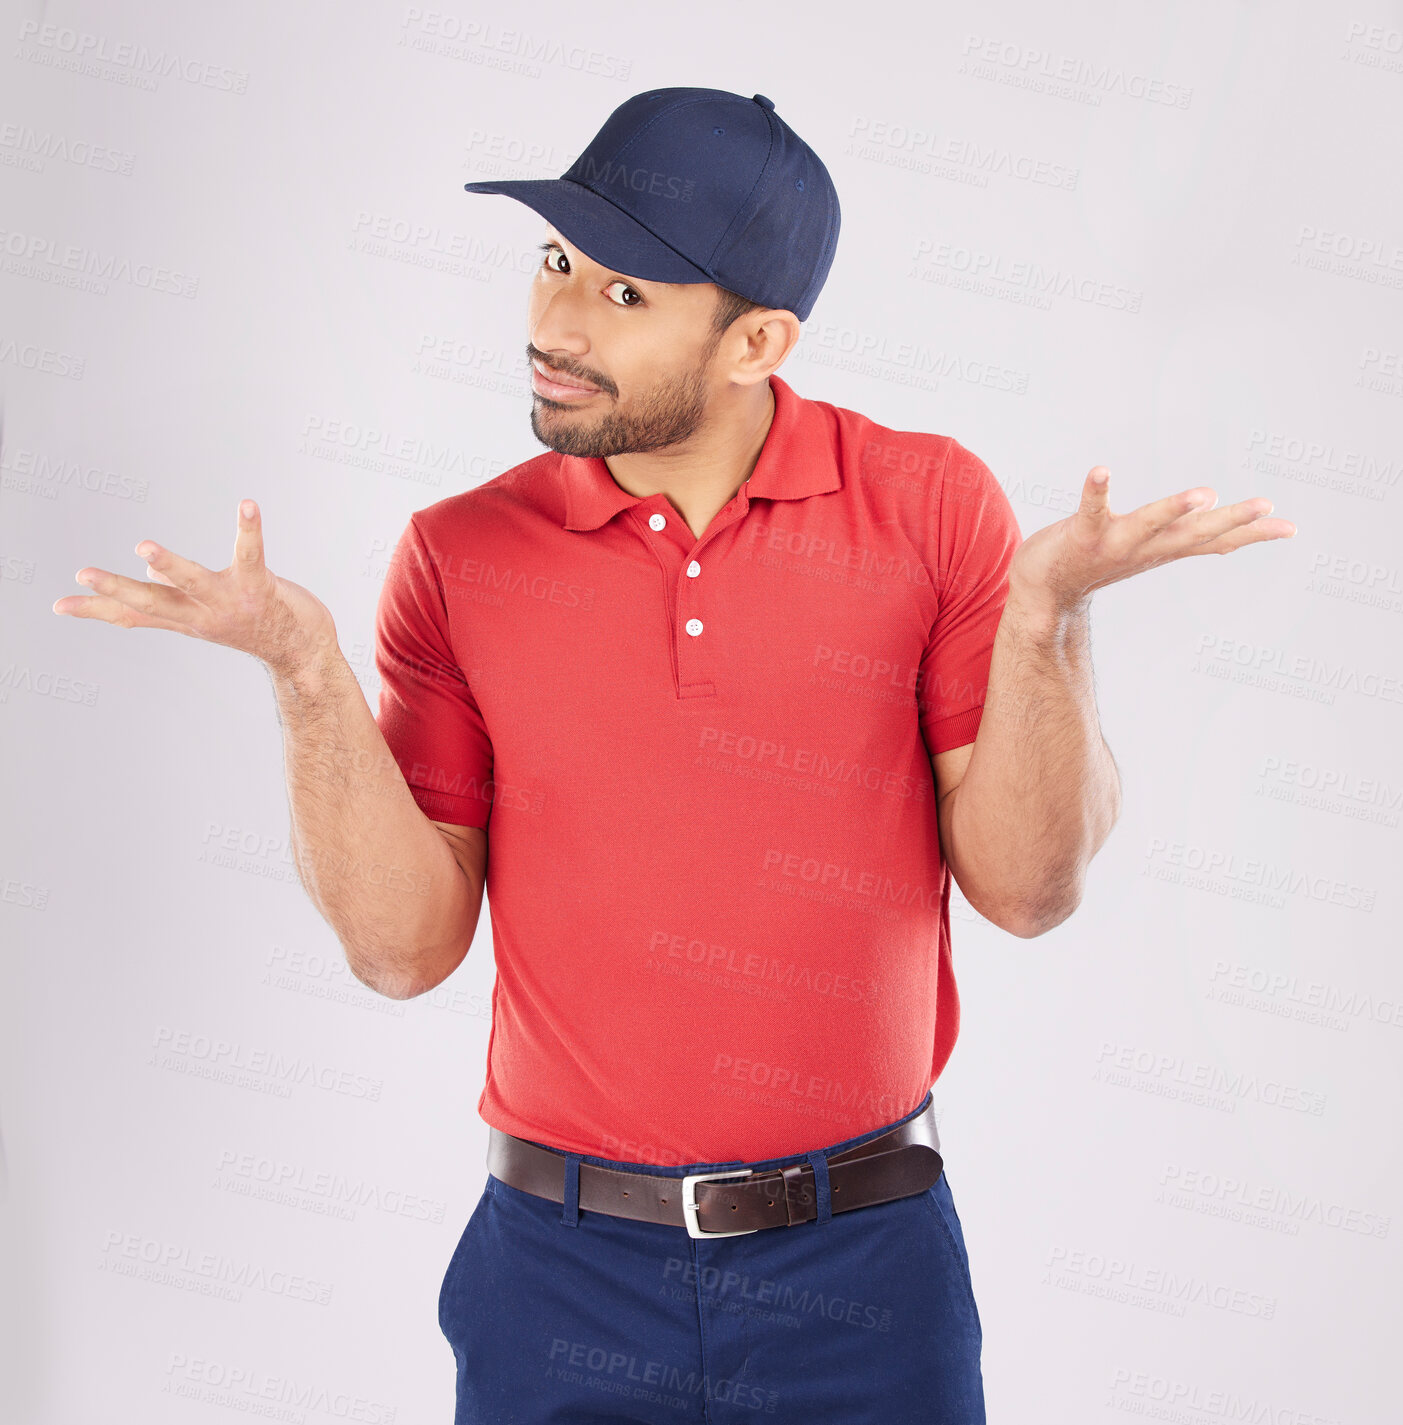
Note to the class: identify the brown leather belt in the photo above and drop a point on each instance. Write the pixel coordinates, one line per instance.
(903, 1161)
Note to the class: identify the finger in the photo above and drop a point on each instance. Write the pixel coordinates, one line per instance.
(1160, 514)
(110, 610)
(151, 601)
(1255, 531)
(1184, 536)
(248, 543)
(1095, 497)
(174, 570)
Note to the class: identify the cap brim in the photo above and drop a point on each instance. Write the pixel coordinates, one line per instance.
(600, 230)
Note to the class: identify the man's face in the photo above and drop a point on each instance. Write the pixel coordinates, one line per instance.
(644, 348)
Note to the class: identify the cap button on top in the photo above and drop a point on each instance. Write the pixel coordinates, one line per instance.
(762, 99)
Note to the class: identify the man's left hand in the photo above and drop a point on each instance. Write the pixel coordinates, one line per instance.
(1063, 563)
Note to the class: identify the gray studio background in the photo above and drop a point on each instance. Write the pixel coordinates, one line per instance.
(236, 260)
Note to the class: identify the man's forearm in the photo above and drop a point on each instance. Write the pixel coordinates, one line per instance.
(1041, 791)
(375, 866)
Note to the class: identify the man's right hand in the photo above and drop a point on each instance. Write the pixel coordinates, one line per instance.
(245, 606)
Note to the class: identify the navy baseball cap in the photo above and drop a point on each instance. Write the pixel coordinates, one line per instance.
(697, 185)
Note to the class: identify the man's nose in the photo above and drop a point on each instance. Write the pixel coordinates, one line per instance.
(556, 326)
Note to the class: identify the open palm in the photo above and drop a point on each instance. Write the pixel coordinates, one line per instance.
(245, 606)
(1069, 559)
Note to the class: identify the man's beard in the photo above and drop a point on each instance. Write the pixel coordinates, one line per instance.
(668, 415)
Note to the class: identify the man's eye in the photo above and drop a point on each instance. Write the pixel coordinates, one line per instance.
(554, 258)
(634, 290)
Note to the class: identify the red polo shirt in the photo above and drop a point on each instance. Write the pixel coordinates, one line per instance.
(719, 910)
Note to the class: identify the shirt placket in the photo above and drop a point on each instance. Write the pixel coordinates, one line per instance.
(689, 565)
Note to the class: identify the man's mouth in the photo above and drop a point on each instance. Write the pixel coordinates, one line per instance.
(558, 388)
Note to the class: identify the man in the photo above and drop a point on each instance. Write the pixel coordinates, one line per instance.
(733, 682)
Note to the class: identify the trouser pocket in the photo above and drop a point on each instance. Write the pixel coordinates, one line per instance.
(942, 1208)
(458, 1266)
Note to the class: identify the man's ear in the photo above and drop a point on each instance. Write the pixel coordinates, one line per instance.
(771, 334)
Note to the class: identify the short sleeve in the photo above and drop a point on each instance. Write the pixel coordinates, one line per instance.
(428, 714)
(976, 536)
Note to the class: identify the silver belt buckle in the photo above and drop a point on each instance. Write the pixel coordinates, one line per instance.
(689, 1202)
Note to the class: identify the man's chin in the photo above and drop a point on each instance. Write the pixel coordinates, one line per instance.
(564, 436)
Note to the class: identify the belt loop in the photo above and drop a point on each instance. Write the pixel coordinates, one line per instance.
(825, 1201)
(570, 1209)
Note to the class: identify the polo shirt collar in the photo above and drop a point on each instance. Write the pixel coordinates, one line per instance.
(797, 459)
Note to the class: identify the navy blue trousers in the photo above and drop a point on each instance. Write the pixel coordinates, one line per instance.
(561, 1315)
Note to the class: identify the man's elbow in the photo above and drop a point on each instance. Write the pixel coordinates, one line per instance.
(403, 978)
(1028, 907)
(392, 984)
(1029, 926)
(1028, 920)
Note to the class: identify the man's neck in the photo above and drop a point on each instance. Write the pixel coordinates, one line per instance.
(701, 477)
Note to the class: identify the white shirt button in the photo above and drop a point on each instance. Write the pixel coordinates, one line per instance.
(694, 626)
(693, 569)
(656, 521)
